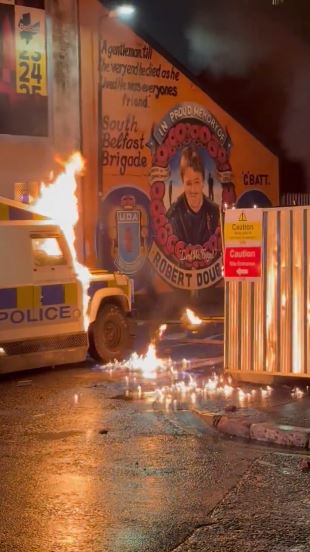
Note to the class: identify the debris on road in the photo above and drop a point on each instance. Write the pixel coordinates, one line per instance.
(230, 408)
(239, 427)
(304, 465)
(23, 383)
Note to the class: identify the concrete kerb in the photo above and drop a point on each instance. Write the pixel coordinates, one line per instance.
(247, 428)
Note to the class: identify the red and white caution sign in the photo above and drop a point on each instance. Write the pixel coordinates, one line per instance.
(243, 244)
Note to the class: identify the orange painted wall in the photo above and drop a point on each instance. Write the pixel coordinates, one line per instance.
(141, 94)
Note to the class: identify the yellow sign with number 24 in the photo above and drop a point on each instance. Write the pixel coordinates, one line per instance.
(30, 51)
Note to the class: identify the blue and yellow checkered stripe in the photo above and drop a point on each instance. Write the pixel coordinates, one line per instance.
(29, 297)
(7, 212)
(96, 286)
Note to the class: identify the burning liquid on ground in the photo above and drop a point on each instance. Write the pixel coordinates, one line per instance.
(173, 385)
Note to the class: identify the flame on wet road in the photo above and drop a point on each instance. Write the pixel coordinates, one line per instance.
(297, 393)
(171, 384)
(191, 318)
(168, 385)
(148, 364)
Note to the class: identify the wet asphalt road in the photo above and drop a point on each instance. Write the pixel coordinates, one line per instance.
(145, 485)
(85, 470)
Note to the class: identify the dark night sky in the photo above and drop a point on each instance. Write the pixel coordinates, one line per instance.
(253, 58)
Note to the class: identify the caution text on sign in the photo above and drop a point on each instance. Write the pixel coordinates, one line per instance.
(240, 231)
(243, 244)
(243, 225)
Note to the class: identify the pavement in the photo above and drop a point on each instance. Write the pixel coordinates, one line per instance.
(269, 510)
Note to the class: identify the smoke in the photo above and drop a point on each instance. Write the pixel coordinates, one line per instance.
(231, 43)
(228, 56)
(296, 122)
(225, 45)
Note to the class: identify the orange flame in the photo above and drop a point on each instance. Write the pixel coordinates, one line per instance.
(147, 364)
(162, 330)
(192, 318)
(58, 201)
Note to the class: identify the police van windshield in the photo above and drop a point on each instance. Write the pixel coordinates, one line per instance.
(47, 252)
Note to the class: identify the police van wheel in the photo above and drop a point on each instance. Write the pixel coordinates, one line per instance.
(109, 334)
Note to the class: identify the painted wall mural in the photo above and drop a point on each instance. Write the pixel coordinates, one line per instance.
(169, 160)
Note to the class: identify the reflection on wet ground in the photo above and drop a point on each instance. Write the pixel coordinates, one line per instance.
(184, 371)
(104, 460)
(143, 483)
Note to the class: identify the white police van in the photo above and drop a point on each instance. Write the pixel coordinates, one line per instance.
(41, 299)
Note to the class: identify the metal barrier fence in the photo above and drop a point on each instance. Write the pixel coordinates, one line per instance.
(291, 199)
(267, 322)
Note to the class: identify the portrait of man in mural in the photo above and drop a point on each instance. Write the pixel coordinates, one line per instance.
(194, 218)
(186, 198)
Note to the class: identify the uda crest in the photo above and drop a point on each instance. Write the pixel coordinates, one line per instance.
(128, 227)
